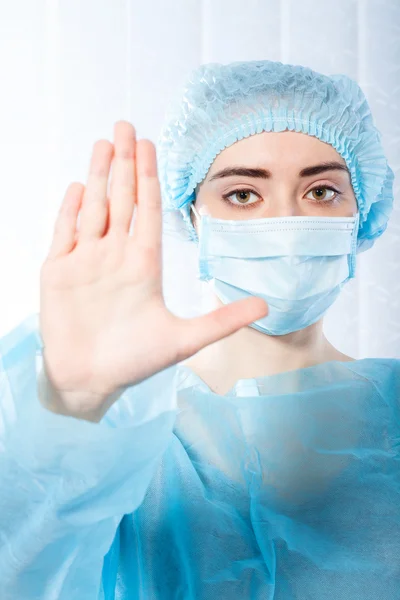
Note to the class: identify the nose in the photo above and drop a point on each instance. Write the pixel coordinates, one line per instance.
(282, 206)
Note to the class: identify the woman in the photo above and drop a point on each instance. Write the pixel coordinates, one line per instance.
(237, 454)
(285, 194)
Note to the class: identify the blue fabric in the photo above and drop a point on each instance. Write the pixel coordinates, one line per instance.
(219, 104)
(297, 265)
(287, 487)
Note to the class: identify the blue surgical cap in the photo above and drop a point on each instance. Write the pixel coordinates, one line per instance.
(223, 103)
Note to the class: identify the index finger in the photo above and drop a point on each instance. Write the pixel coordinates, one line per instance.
(148, 218)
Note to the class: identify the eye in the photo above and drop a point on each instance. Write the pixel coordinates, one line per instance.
(241, 197)
(321, 195)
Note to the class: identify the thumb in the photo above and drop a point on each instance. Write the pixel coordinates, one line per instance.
(207, 329)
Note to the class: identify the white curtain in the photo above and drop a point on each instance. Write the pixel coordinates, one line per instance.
(71, 68)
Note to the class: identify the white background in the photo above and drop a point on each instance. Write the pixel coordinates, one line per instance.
(71, 68)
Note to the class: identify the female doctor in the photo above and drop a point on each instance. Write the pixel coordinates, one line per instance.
(237, 454)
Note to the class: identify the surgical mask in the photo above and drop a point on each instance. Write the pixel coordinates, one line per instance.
(298, 265)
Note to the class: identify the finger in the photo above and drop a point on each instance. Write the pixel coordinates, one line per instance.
(148, 219)
(123, 177)
(94, 213)
(201, 331)
(65, 226)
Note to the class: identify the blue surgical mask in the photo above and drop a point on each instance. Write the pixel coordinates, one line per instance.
(298, 265)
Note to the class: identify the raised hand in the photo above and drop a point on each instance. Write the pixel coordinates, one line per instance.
(103, 319)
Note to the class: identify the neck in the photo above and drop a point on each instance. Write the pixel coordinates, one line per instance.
(249, 353)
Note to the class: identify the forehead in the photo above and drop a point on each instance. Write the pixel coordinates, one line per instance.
(276, 151)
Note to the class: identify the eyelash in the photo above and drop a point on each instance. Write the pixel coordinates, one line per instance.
(336, 198)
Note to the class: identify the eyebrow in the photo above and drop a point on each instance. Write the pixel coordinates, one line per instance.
(265, 174)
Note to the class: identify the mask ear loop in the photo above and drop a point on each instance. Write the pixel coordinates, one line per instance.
(203, 274)
(353, 257)
(194, 209)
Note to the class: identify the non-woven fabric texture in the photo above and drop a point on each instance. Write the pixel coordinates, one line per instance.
(287, 487)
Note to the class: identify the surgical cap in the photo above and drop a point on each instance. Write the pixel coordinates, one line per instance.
(220, 104)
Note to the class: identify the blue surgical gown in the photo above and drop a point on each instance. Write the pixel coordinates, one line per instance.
(285, 488)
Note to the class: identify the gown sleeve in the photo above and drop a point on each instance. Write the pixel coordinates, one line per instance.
(66, 483)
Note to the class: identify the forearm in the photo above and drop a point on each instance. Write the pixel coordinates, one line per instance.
(65, 482)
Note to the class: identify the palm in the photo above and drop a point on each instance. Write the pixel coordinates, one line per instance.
(103, 318)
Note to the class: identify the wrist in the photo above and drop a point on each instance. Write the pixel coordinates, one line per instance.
(80, 405)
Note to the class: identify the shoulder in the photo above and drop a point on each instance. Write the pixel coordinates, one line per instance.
(382, 373)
